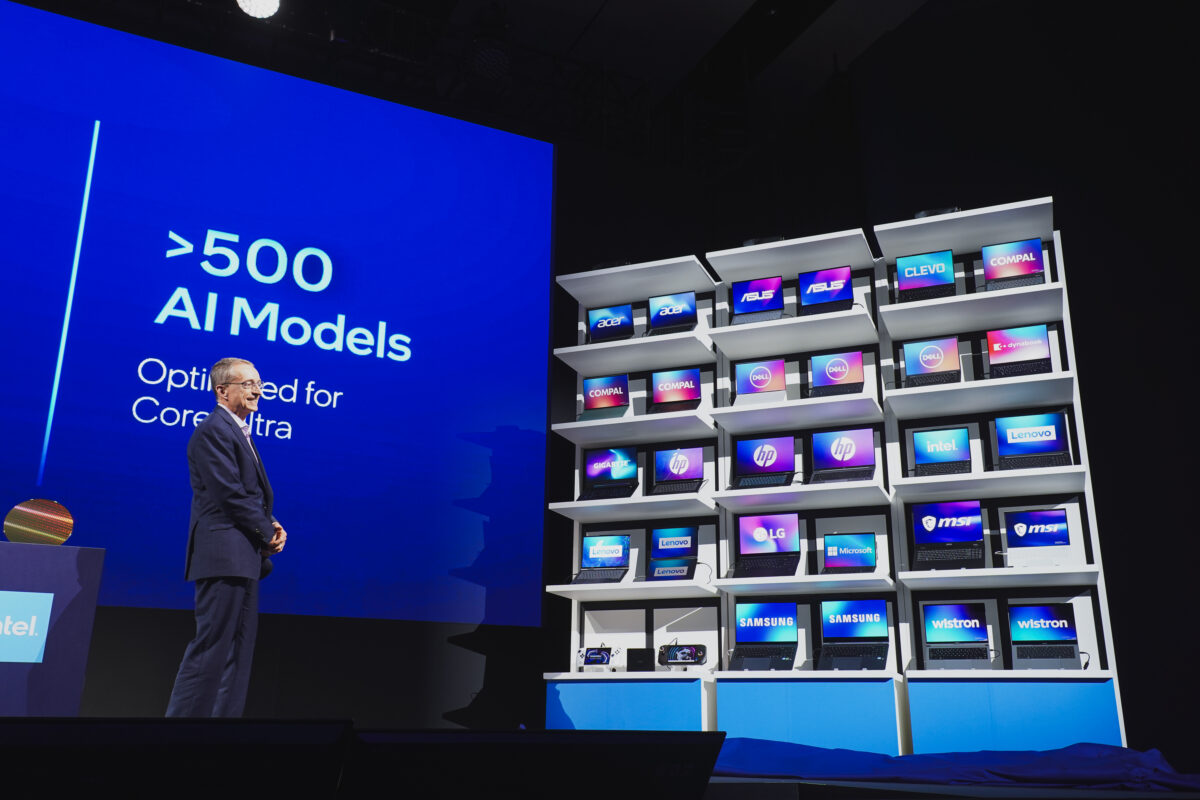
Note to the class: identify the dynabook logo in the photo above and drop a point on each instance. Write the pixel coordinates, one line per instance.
(843, 448)
(765, 294)
(1037, 433)
(832, 551)
(24, 621)
(1020, 528)
(931, 356)
(929, 522)
(679, 464)
(765, 455)
(675, 543)
(598, 551)
(766, 622)
(1015, 345)
(1040, 624)
(819, 287)
(947, 624)
(834, 619)
(837, 369)
(760, 377)
(609, 322)
(670, 572)
(762, 534)
(923, 270)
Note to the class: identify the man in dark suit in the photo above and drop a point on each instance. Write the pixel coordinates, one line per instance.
(231, 534)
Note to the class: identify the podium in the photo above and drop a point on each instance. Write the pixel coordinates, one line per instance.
(47, 608)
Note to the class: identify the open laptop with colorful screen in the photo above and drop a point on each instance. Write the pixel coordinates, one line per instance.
(836, 373)
(1018, 351)
(948, 535)
(925, 276)
(678, 470)
(603, 559)
(609, 473)
(1032, 441)
(932, 361)
(956, 636)
(843, 455)
(609, 323)
(757, 300)
(1013, 264)
(942, 452)
(1036, 537)
(672, 313)
(1044, 636)
(854, 634)
(848, 552)
(768, 545)
(759, 377)
(673, 553)
(605, 396)
(825, 290)
(764, 462)
(675, 390)
(765, 636)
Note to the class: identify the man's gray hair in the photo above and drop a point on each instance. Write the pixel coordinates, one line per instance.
(222, 371)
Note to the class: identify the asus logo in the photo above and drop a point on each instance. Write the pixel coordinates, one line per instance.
(669, 310)
(929, 522)
(765, 294)
(825, 286)
(609, 322)
(924, 269)
(1038, 433)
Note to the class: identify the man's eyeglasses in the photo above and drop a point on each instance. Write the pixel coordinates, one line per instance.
(247, 385)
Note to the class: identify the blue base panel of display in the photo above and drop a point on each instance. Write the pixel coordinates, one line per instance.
(967, 715)
(853, 714)
(625, 705)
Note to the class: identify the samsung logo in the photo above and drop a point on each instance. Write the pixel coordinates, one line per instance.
(1038, 624)
(930, 522)
(1000, 261)
(924, 269)
(825, 286)
(606, 551)
(765, 294)
(671, 386)
(1037, 433)
(609, 322)
(765, 622)
(606, 392)
(835, 619)
(668, 310)
(946, 624)
(675, 542)
(663, 572)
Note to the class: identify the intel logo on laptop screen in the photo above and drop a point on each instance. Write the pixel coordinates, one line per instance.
(854, 619)
(673, 542)
(854, 448)
(1013, 259)
(769, 533)
(669, 310)
(825, 286)
(1037, 528)
(1031, 434)
(760, 376)
(766, 622)
(614, 464)
(685, 463)
(675, 386)
(611, 322)
(761, 294)
(943, 523)
(1052, 623)
(955, 622)
(940, 447)
(850, 550)
(837, 369)
(776, 454)
(928, 269)
(607, 392)
(934, 355)
(1018, 344)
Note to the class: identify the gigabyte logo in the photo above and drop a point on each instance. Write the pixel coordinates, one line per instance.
(1020, 528)
(839, 618)
(924, 269)
(673, 385)
(663, 572)
(678, 464)
(945, 624)
(760, 377)
(675, 542)
(837, 369)
(931, 356)
(1042, 623)
(766, 622)
(929, 522)
(609, 322)
(763, 534)
(825, 286)
(843, 448)
(765, 294)
(1037, 433)
(765, 455)
(666, 311)
(606, 551)
(940, 447)
(1000, 261)
(606, 392)
(616, 463)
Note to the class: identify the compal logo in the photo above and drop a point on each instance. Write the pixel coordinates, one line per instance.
(931, 356)
(765, 455)
(843, 448)
(678, 464)
(765, 294)
(24, 621)
(837, 369)
(760, 377)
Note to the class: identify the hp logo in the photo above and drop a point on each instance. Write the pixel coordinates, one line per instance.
(765, 454)
(843, 448)
(678, 464)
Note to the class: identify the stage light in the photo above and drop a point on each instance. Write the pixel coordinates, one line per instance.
(259, 8)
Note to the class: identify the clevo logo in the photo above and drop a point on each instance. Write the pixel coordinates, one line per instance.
(1037, 433)
(678, 464)
(924, 269)
(765, 455)
(837, 369)
(843, 448)
(24, 621)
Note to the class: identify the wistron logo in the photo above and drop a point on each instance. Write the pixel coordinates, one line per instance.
(766, 622)
(1020, 528)
(609, 322)
(922, 270)
(675, 542)
(760, 377)
(678, 464)
(819, 287)
(837, 369)
(1039, 624)
(762, 534)
(931, 356)
(765, 294)
(929, 522)
(843, 448)
(1000, 261)
(765, 455)
(605, 551)
(946, 624)
(24, 622)
(1036, 433)
(664, 572)
(835, 619)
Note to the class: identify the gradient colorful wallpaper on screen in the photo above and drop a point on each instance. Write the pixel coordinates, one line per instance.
(854, 619)
(760, 294)
(769, 533)
(675, 386)
(668, 569)
(849, 550)
(941, 447)
(774, 454)
(610, 323)
(760, 376)
(837, 369)
(1048, 623)
(604, 551)
(955, 622)
(825, 286)
(1037, 528)
(612, 464)
(765, 622)
(1031, 434)
(606, 392)
(1013, 259)
(681, 464)
(669, 310)
(853, 448)
(674, 542)
(927, 269)
(1018, 344)
(932, 355)
(944, 523)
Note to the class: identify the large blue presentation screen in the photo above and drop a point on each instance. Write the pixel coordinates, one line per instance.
(386, 269)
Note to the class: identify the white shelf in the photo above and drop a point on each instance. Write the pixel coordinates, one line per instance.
(967, 231)
(845, 494)
(996, 483)
(972, 397)
(1000, 578)
(793, 334)
(633, 590)
(635, 508)
(640, 429)
(808, 674)
(637, 282)
(1007, 674)
(792, 256)
(810, 412)
(639, 354)
(808, 584)
(1025, 305)
(698, 675)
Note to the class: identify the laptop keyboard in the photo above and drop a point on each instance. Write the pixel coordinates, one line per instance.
(756, 481)
(1021, 368)
(1014, 282)
(957, 653)
(972, 552)
(677, 487)
(849, 474)
(841, 388)
(766, 566)
(932, 379)
(855, 655)
(606, 492)
(757, 316)
(1045, 651)
(928, 293)
(600, 575)
(1036, 461)
(943, 468)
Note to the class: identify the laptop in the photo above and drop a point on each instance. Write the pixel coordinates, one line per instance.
(836, 373)
(843, 455)
(678, 470)
(673, 553)
(609, 473)
(757, 300)
(764, 462)
(610, 323)
(605, 397)
(824, 291)
(848, 552)
(948, 535)
(760, 377)
(925, 276)
(854, 634)
(941, 452)
(1013, 264)
(1018, 351)
(956, 636)
(768, 545)
(1044, 636)
(931, 362)
(603, 559)
(675, 390)
(765, 636)
(672, 313)
(1033, 441)
(1036, 538)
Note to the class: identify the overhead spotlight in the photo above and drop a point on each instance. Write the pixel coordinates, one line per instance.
(259, 8)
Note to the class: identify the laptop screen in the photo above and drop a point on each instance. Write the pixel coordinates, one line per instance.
(849, 550)
(761, 294)
(1048, 623)
(1010, 345)
(825, 286)
(927, 269)
(947, 523)
(1031, 434)
(612, 322)
(666, 569)
(674, 542)
(854, 448)
(760, 376)
(672, 310)
(768, 533)
(941, 447)
(849, 620)
(680, 464)
(604, 551)
(1013, 259)
(954, 623)
(609, 465)
(1037, 528)
(607, 392)
(837, 369)
(765, 622)
(933, 355)
(675, 386)
(762, 456)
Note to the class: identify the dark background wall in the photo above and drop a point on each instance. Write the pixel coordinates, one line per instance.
(951, 104)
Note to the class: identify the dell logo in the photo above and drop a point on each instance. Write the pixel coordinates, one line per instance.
(931, 356)
(843, 448)
(765, 455)
(760, 377)
(765, 294)
(609, 322)
(825, 286)
(669, 310)
(678, 464)
(837, 369)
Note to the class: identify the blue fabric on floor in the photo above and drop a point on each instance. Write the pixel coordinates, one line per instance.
(1092, 766)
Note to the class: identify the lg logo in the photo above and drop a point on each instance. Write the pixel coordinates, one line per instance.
(763, 534)
(843, 448)
(765, 455)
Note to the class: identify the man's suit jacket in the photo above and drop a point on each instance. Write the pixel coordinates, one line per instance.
(231, 502)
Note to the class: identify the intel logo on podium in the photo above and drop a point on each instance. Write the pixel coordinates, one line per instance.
(24, 620)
